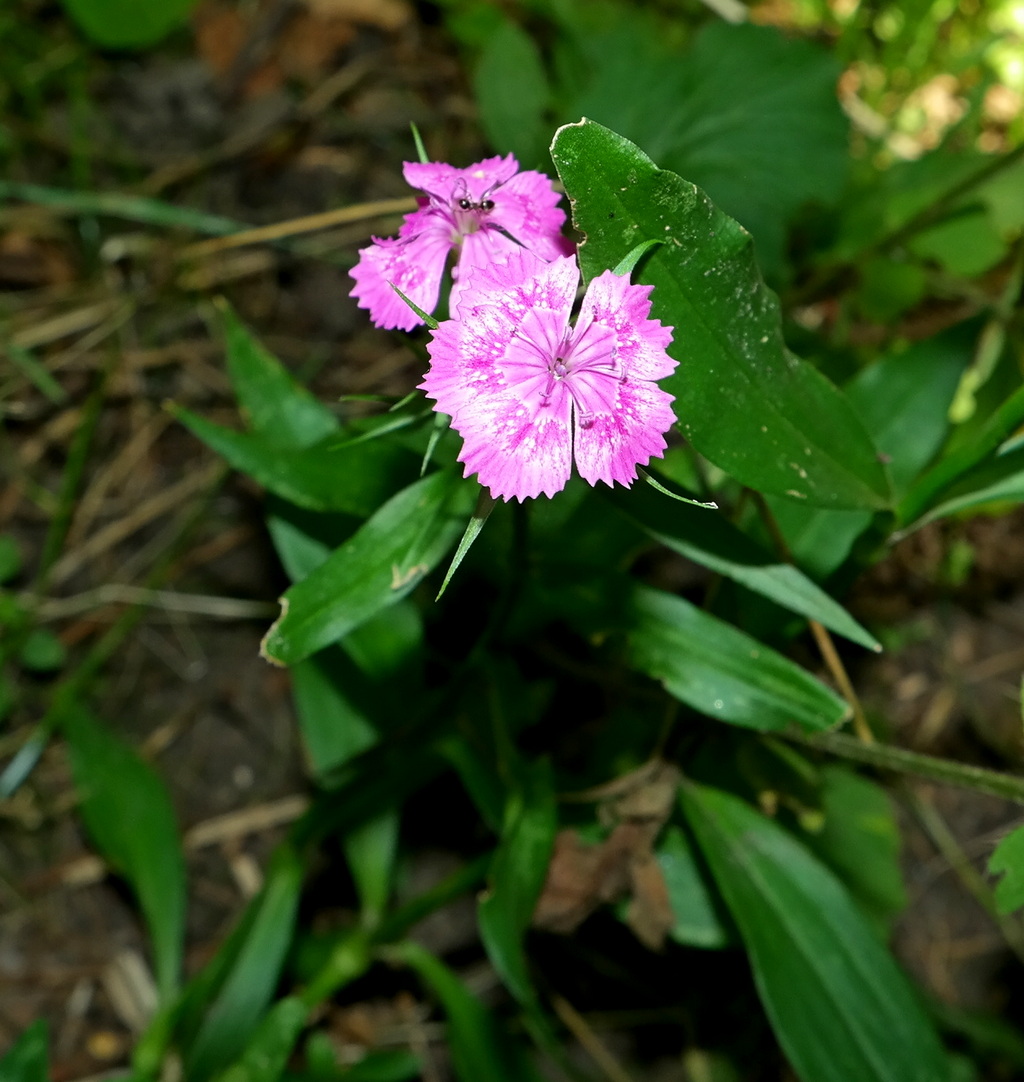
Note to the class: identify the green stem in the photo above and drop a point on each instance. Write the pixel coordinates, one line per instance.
(886, 757)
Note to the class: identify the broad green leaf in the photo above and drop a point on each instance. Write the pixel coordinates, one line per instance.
(25, 1061)
(903, 399)
(966, 244)
(838, 1003)
(710, 539)
(860, 840)
(480, 1050)
(379, 565)
(128, 24)
(511, 91)
(745, 112)
(334, 726)
(244, 978)
(699, 921)
(720, 671)
(352, 477)
(742, 399)
(517, 876)
(129, 816)
(275, 405)
(1008, 860)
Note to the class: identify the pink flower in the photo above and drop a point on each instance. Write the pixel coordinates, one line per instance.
(529, 393)
(483, 213)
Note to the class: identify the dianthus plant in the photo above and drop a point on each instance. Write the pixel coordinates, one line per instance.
(482, 214)
(529, 392)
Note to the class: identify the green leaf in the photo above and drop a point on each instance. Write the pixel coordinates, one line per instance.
(699, 920)
(128, 813)
(128, 24)
(720, 671)
(276, 406)
(371, 850)
(42, 651)
(10, 558)
(353, 477)
(743, 401)
(387, 1065)
(838, 1003)
(269, 1047)
(1008, 860)
(860, 840)
(903, 399)
(511, 91)
(966, 244)
(711, 540)
(996, 428)
(25, 1061)
(243, 977)
(517, 876)
(1000, 479)
(334, 727)
(484, 506)
(379, 565)
(480, 1050)
(746, 112)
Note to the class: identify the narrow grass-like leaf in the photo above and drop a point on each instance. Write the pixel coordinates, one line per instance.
(928, 490)
(276, 406)
(708, 505)
(838, 1003)
(133, 208)
(25, 1061)
(245, 979)
(742, 399)
(421, 150)
(628, 263)
(995, 481)
(517, 877)
(480, 1050)
(380, 564)
(270, 1045)
(484, 506)
(711, 540)
(700, 920)
(720, 671)
(35, 372)
(129, 815)
(24, 760)
(425, 316)
(354, 478)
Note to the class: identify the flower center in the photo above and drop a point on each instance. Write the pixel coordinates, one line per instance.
(470, 214)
